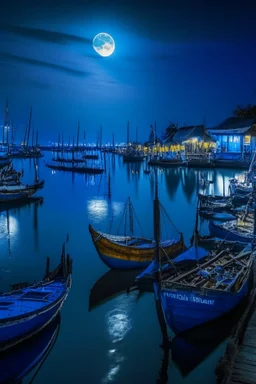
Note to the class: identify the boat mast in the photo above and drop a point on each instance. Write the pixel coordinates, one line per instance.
(109, 186)
(59, 142)
(78, 132)
(6, 117)
(73, 149)
(130, 216)
(62, 145)
(29, 125)
(36, 138)
(128, 133)
(100, 136)
(157, 223)
(113, 141)
(33, 133)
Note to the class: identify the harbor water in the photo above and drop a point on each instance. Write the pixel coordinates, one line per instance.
(102, 339)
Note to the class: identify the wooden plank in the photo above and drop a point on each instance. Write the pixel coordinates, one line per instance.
(240, 378)
(245, 357)
(249, 336)
(249, 343)
(248, 350)
(245, 367)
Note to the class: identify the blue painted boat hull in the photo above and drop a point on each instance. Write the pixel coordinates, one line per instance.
(17, 362)
(185, 309)
(22, 328)
(218, 231)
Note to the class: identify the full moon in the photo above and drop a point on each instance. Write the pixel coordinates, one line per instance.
(103, 44)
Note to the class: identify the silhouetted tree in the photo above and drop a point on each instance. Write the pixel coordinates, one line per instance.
(170, 130)
(248, 111)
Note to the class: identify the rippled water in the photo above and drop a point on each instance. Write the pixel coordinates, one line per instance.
(118, 340)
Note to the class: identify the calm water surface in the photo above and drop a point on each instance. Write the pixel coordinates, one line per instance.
(117, 341)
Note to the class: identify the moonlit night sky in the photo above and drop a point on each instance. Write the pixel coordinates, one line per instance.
(177, 62)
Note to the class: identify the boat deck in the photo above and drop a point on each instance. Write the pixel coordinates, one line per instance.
(29, 299)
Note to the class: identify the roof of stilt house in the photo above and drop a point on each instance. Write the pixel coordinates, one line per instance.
(192, 132)
(235, 125)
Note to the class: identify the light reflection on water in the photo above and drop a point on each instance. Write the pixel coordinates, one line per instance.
(118, 324)
(9, 226)
(101, 209)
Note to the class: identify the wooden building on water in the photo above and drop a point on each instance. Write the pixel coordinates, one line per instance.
(235, 135)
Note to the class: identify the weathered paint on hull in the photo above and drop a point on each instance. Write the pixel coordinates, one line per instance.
(128, 257)
(218, 231)
(18, 330)
(185, 309)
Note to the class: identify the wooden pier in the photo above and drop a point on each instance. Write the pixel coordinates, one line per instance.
(238, 365)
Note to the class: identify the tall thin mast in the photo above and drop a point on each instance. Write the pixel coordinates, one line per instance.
(78, 132)
(59, 142)
(12, 134)
(36, 138)
(156, 220)
(73, 148)
(100, 136)
(62, 144)
(128, 133)
(113, 140)
(6, 118)
(29, 125)
(33, 133)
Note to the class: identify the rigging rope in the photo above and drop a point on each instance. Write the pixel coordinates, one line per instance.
(122, 218)
(136, 218)
(169, 218)
(170, 261)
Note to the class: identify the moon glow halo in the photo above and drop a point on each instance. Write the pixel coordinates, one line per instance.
(103, 44)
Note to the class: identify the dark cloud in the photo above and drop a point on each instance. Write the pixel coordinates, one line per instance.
(40, 63)
(44, 35)
(172, 21)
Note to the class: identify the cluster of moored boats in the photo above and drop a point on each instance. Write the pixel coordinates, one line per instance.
(199, 283)
(29, 312)
(11, 187)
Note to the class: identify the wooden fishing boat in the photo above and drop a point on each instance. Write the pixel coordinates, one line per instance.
(208, 291)
(218, 216)
(235, 200)
(213, 243)
(128, 252)
(167, 163)
(91, 157)
(4, 162)
(76, 169)
(19, 192)
(133, 157)
(191, 348)
(9, 176)
(237, 187)
(233, 231)
(16, 363)
(66, 160)
(27, 309)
